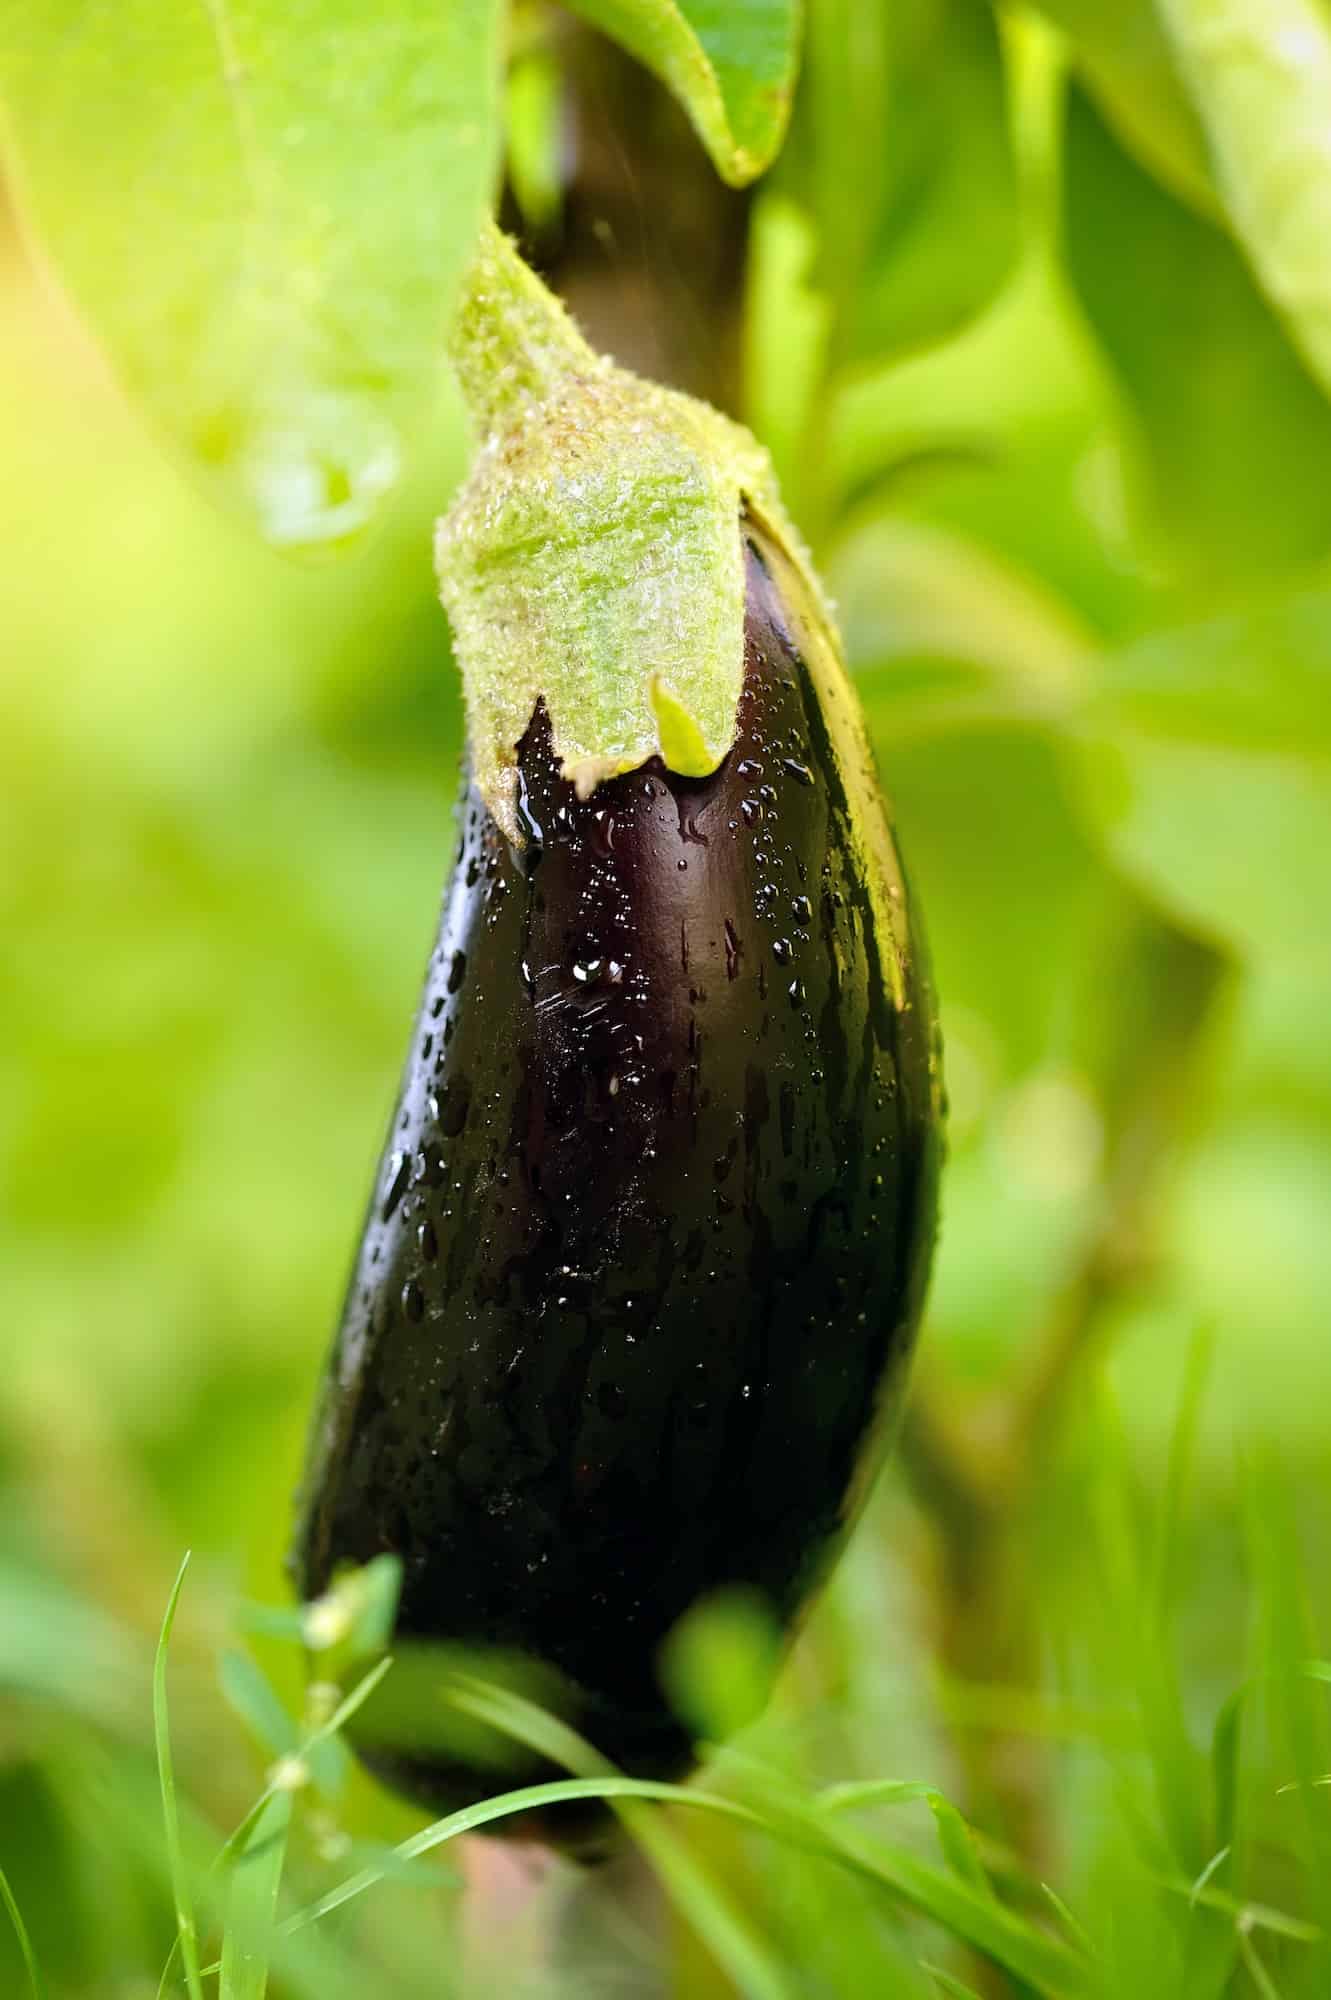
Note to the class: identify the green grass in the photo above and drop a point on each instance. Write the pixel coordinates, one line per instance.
(1207, 1864)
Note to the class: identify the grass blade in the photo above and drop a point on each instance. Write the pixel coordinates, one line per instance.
(971, 1914)
(185, 1927)
(947, 1983)
(954, 1835)
(1226, 1745)
(976, 1918)
(252, 1905)
(1262, 1981)
(1167, 1552)
(1047, 1965)
(731, 1941)
(29, 1956)
(1075, 1929)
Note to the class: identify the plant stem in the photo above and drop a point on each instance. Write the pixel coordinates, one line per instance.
(649, 249)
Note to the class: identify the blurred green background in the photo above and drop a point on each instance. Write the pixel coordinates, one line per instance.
(1070, 485)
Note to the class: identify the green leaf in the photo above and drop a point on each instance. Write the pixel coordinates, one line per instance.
(256, 1876)
(264, 214)
(1259, 73)
(731, 64)
(532, 125)
(250, 1693)
(719, 1663)
(906, 105)
(941, 634)
(1122, 53)
(354, 1618)
(785, 335)
(1205, 763)
(1234, 434)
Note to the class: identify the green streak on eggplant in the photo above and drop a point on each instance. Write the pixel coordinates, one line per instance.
(646, 1253)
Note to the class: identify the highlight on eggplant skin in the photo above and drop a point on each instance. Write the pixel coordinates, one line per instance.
(643, 1264)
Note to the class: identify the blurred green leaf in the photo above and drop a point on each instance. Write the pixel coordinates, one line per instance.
(731, 64)
(412, 1709)
(252, 1696)
(265, 214)
(786, 325)
(354, 1617)
(1205, 762)
(532, 121)
(1259, 74)
(1006, 435)
(719, 1664)
(954, 1835)
(1122, 52)
(902, 154)
(56, 1646)
(1233, 431)
(945, 636)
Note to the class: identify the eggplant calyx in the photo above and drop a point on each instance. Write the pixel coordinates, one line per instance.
(593, 556)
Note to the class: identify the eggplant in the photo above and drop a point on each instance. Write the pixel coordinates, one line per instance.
(644, 1261)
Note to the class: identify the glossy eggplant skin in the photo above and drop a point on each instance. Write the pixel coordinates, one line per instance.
(645, 1257)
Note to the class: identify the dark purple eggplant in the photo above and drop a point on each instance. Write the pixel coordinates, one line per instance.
(643, 1265)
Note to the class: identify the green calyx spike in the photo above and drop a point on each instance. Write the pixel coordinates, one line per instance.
(593, 555)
